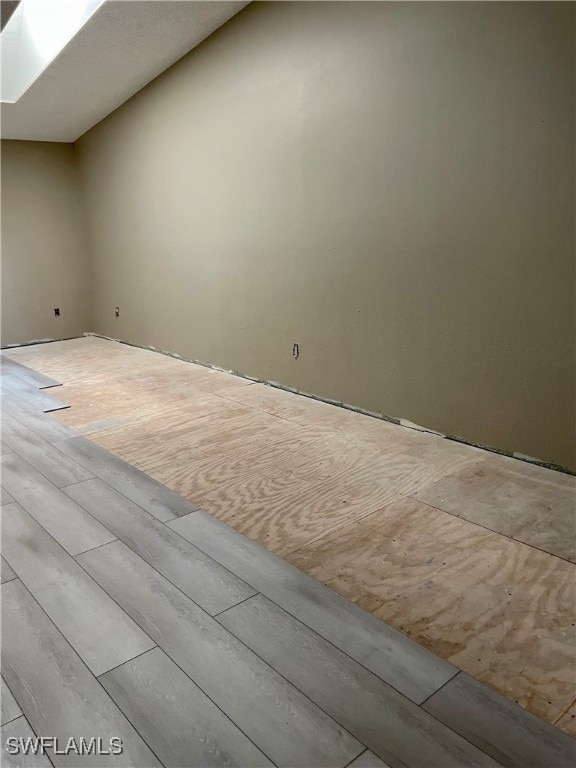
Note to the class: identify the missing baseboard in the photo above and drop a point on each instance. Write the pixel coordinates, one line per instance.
(41, 341)
(338, 403)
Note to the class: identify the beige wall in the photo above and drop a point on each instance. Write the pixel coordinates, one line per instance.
(44, 247)
(391, 186)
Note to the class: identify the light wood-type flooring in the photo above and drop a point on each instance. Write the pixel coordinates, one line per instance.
(469, 553)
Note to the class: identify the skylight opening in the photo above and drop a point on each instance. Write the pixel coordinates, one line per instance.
(34, 36)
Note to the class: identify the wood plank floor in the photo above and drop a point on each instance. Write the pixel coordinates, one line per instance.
(195, 646)
(469, 553)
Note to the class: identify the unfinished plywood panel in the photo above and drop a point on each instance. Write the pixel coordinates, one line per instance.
(356, 429)
(314, 491)
(83, 359)
(326, 488)
(494, 607)
(528, 503)
(567, 721)
(201, 424)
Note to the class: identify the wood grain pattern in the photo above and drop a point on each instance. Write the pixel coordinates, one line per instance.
(30, 394)
(68, 361)
(59, 469)
(42, 424)
(397, 660)
(190, 430)
(70, 525)
(530, 504)
(7, 574)
(567, 721)
(388, 723)
(29, 375)
(5, 497)
(20, 729)
(464, 592)
(286, 508)
(356, 429)
(101, 633)
(517, 739)
(205, 581)
(183, 726)
(159, 501)
(279, 402)
(229, 457)
(283, 723)
(247, 452)
(41, 668)
(368, 760)
(9, 709)
(94, 403)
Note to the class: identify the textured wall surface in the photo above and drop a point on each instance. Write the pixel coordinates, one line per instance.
(389, 185)
(44, 247)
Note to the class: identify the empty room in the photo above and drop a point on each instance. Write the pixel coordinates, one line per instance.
(288, 384)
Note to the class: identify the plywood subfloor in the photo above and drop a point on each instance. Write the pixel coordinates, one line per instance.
(195, 645)
(465, 551)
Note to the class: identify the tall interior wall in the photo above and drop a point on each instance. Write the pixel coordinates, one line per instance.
(388, 185)
(45, 258)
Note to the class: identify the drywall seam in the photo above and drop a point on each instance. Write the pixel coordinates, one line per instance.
(340, 404)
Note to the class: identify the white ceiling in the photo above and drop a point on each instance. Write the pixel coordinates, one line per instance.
(125, 45)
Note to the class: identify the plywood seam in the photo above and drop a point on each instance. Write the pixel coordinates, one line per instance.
(486, 528)
(346, 406)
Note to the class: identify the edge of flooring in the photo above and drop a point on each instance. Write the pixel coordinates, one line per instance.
(458, 670)
(346, 406)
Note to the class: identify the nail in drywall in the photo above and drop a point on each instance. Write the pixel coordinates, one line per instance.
(295, 351)
(117, 312)
(57, 311)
